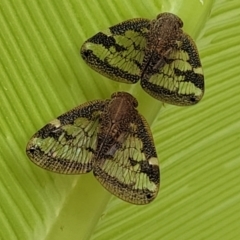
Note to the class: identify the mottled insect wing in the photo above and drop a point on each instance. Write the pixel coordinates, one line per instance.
(171, 69)
(127, 165)
(158, 52)
(132, 173)
(118, 52)
(68, 143)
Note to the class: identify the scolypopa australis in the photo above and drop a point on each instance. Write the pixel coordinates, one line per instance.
(156, 52)
(108, 137)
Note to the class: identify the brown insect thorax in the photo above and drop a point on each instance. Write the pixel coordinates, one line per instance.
(164, 35)
(115, 121)
(164, 32)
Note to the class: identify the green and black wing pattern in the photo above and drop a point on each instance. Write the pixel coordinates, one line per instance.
(118, 52)
(157, 52)
(68, 143)
(180, 80)
(129, 169)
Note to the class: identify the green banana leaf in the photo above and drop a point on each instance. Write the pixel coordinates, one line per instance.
(42, 76)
